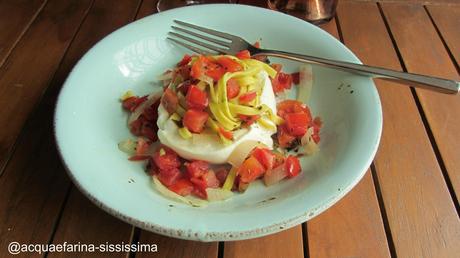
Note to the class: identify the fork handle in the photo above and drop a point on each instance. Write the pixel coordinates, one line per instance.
(411, 79)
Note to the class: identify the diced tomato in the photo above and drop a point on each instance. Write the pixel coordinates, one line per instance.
(233, 88)
(151, 113)
(185, 60)
(197, 168)
(249, 120)
(182, 187)
(256, 44)
(132, 103)
(142, 146)
(195, 120)
(168, 160)
(169, 177)
(292, 166)
(247, 97)
(185, 72)
(285, 140)
(208, 180)
(198, 67)
(243, 54)
(225, 133)
(221, 174)
(196, 98)
(295, 78)
(229, 64)
(265, 157)
(136, 126)
(292, 106)
(250, 170)
(214, 70)
(170, 101)
(297, 123)
(281, 82)
(149, 130)
(279, 159)
(277, 67)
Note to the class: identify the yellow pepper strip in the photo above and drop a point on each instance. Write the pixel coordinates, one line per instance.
(214, 97)
(212, 124)
(274, 117)
(247, 80)
(127, 95)
(244, 110)
(230, 180)
(266, 124)
(185, 133)
(223, 104)
(256, 63)
(175, 117)
(221, 118)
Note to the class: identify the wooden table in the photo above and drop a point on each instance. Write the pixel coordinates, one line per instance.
(406, 205)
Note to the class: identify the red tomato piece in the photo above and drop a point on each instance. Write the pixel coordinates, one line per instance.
(169, 177)
(149, 130)
(277, 67)
(225, 133)
(292, 166)
(136, 126)
(243, 54)
(247, 97)
(265, 157)
(285, 139)
(142, 146)
(295, 78)
(297, 123)
(168, 160)
(197, 168)
(250, 170)
(182, 187)
(185, 60)
(233, 88)
(281, 82)
(256, 44)
(195, 120)
(221, 174)
(132, 103)
(196, 98)
(292, 106)
(214, 70)
(211, 179)
(197, 69)
(229, 64)
(170, 101)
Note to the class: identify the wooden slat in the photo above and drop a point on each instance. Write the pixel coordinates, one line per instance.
(177, 248)
(339, 231)
(38, 55)
(442, 111)
(447, 21)
(287, 243)
(15, 18)
(34, 185)
(83, 222)
(421, 215)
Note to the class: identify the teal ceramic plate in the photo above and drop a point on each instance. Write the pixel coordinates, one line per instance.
(89, 122)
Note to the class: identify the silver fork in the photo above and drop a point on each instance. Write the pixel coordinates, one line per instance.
(224, 43)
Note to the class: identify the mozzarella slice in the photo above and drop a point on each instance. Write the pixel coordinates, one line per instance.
(207, 146)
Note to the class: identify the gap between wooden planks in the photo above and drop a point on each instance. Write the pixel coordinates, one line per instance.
(420, 212)
(16, 17)
(429, 56)
(31, 65)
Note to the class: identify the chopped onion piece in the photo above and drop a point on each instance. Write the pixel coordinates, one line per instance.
(152, 98)
(309, 146)
(218, 194)
(305, 83)
(275, 175)
(241, 151)
(195, 202)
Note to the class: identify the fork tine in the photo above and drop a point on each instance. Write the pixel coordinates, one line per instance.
(209, 31)
(206, 45)
(194, 49)
(219, 42)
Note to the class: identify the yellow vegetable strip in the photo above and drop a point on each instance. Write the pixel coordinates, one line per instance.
(230, 180)
(266, 124)
(221, 118)
(252, 62)
(244, 110)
